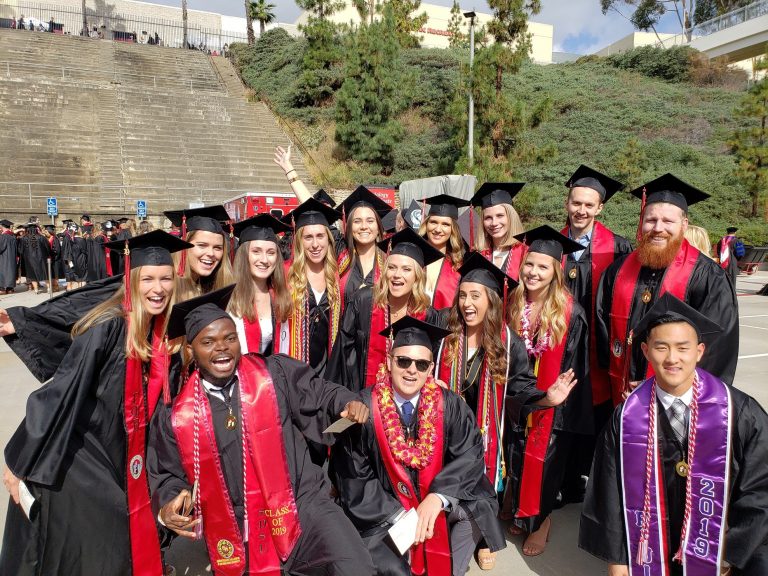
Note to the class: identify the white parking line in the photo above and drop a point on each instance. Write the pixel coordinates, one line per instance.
(752, 356)
(755, 327)
(755, 316)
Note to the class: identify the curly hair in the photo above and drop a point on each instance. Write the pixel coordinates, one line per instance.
(418, 301)
(297, 276)
(552, 314)
(455, 248)
(492, 326)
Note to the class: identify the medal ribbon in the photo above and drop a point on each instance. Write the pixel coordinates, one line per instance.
(145, 546)
(708, 480)
(549, 367)
(623, 299)
(434, 555)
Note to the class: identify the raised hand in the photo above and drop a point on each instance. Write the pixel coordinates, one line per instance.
(559, 391)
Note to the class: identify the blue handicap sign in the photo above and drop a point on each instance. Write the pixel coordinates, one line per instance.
(141, 208)
(53, 207)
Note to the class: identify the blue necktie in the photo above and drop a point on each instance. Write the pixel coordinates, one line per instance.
(407, 409)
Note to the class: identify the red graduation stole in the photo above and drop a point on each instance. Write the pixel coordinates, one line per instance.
(602, 253)
(106, 255)
(724, 249)
(675, 281)
(274, 525)
(548, 368)
(447, 285)
(138, 409)
(514, 260)
(378, 345)
(434, 555)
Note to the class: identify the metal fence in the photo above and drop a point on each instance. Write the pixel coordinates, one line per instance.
(728, 20)
(113, 25)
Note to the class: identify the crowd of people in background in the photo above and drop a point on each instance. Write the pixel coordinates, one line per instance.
(487, 378)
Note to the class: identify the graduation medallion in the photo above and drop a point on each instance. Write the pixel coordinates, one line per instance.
(646, 297)
(231, 422)
(682, 469)
(572, 274)
(404, 489)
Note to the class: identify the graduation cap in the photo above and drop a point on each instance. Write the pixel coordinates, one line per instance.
(671, 190)
(477, 268)
(260, 227)
(87, 228)
(86, 217)
(408, 331)
(389, 222)
(192, 316)
(586, 177)
(362, 196)
(30, 226)
(668, 308)
(207, 219)
(729, 230)
(408, 243)
(122, 220)
(50, 228)
(494, 193)
(150, 249)
(445, 205)
(323, 196)
(413, 215)
(6, 223)
(547, 240)
(311, 212)
(108, 225)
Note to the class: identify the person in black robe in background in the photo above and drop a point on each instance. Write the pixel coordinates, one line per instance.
(8, 247)
(79, 254)
(588, 191)
(71, 448)
(707, 288)
(672, 326)
(34, 252)
(307, 405)
(54, 247)
(460, 493)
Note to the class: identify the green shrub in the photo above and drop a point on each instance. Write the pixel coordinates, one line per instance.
(671, 64)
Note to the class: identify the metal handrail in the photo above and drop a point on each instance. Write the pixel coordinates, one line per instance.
(724, 21)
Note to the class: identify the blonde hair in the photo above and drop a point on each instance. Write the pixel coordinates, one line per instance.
(483, 241)
(244, 294)
(418, 301)
(455, 247)
(297, 276)
(192, 285)
(699, 239)
(552, 314)
(137, 343)
(493, 324)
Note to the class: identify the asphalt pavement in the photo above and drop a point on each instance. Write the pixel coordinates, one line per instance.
(562, 556)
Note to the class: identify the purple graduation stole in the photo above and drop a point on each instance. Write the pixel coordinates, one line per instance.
(708, 481)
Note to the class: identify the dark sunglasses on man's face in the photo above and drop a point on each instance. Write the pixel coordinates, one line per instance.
(404, 362)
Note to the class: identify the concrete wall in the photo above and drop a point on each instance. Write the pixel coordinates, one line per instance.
(435, 33)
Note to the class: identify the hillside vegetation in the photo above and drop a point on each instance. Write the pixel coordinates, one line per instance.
(631, 124)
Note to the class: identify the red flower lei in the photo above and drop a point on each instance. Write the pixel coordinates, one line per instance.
(416, 454)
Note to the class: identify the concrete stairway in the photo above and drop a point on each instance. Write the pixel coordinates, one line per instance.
(100, 124)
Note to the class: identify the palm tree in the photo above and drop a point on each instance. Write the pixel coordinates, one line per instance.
(259, 10)
(184, 17)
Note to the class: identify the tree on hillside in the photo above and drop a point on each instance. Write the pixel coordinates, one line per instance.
(406, 23)
(458, 38)
(262, 11)
(646, 14)
(323, 52)
(371, 95)
(366, 9)
(749, 143)
(709, 9)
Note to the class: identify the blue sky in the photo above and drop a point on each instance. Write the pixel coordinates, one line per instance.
(579, 25)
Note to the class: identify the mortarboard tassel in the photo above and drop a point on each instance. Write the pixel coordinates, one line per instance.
(627, 362)
(183, 258)
(231, 243)
(127, 278)
(166, 383)
(343, 218)
(639, 234)
(293, 239)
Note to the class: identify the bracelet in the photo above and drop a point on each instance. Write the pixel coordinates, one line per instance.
(292, 180)
(289, 171)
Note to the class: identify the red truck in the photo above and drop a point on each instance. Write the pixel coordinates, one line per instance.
(252, 203)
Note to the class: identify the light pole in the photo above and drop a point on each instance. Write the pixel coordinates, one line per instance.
(471, 120)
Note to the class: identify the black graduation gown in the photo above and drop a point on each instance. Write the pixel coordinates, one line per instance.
(602, 532)
(319, 326)
(117, 255)
(709, 291)
(8, 247)
(42, 336)
(307, 406)
(350, 352)
(79, 255)
(368, 498)
(97, 260)
(71, 451)
(733, 265)
(574, 416)
(34, 252)
(55, 250)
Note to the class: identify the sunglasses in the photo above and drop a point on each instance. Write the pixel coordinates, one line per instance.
(404, 362)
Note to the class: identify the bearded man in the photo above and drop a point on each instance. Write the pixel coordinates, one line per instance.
(663, 262)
